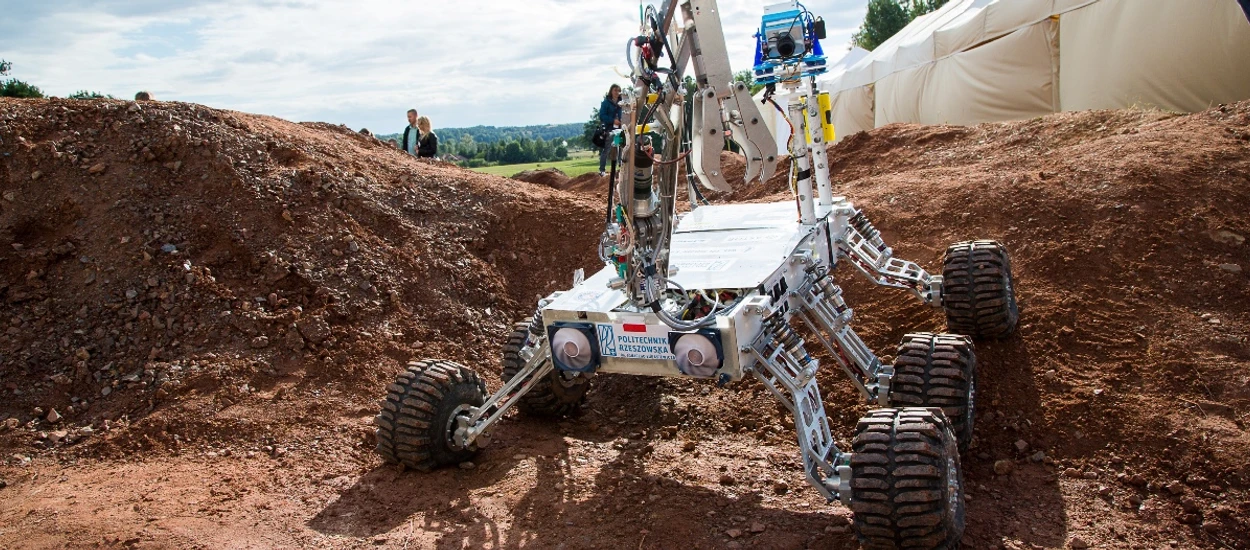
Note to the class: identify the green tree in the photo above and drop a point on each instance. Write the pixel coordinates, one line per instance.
(14, 87)
(84, 94)
(468, 146)
(886, 17)
(512, 154)
(921, 7)
(591, 126)
(562, 152)
(746, 76)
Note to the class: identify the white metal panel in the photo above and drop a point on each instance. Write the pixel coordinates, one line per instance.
(736, 245)
(592, 295)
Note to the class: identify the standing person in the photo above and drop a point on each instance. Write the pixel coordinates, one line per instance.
(412, 134)
(427, 147)
(610, 118)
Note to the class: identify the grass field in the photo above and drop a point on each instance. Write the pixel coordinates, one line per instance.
(579, 163)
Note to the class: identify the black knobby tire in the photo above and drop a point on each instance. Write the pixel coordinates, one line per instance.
(415, 423)
(938, 370)
(978, 291)
(906, 483)
(555, 395)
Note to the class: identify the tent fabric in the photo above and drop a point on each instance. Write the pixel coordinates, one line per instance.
(1115, 55)
(853, 111)
(977, 61)
(1008, 79)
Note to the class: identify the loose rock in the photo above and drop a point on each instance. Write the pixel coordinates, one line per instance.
(1004, 467)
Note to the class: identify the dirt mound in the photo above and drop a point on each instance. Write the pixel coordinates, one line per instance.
(221, 298)
(170, 254)
(1131, 368)
(590, 182)
(550, 177)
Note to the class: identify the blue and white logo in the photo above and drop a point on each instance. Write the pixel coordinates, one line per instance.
(607, 340)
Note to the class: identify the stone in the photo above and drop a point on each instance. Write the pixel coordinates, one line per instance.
(1175, 487)
(734, 533)
(1038, 457)
(53, 416)
(1077, 543)
(466, 465)
(260, 342)
(1003, 467)
(314, 329)
(781, 487)
(1022, 446)
(1190, 506)
(1231, 268)
(757, 527)
(1228, 237)
(105, 391)
(726, 479)
(169, 248)
(36, 175)
(10, 196)
(98, 168)
(1189, 519)
(57, 436)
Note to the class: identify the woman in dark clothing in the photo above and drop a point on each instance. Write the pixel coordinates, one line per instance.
(427, 146)
(610, 118)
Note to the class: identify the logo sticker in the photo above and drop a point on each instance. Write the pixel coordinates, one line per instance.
(607, 340)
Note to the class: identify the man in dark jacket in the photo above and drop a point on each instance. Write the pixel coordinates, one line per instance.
(411, 134)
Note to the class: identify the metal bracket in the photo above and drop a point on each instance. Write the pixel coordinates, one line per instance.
(789, 373)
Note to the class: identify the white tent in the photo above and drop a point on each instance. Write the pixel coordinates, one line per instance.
(978, 61)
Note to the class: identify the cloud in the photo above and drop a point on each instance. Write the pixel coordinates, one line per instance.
(361, 63)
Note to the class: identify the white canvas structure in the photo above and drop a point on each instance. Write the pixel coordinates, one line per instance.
(979, 61)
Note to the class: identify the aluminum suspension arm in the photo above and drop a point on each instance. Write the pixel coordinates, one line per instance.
(863, 246)
(786, 369)
(475, 427)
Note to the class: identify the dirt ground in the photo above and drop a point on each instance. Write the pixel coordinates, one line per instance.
(212, 303)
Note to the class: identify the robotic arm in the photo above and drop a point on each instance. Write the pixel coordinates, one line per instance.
(651, 142)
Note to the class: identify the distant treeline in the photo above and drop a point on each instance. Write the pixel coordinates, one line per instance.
(483, 145)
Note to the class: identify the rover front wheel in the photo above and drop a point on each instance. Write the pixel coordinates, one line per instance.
(938, 370)
(906, 483)
(418, 415)
(978, 290)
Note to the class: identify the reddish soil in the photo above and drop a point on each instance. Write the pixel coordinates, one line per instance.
(214, 301)
(550, 177)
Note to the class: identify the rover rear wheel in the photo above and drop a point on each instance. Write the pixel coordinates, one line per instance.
(906, 483)
(557, 394)
(418, 415)
(938, 370)
(978, 290)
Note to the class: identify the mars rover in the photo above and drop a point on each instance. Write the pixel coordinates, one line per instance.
(720, 292)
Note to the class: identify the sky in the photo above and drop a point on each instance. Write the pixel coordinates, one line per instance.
(362, 63)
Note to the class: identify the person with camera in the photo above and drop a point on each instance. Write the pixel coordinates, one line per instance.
(609, 119)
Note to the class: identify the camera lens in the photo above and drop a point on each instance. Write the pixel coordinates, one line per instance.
(785, 45)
